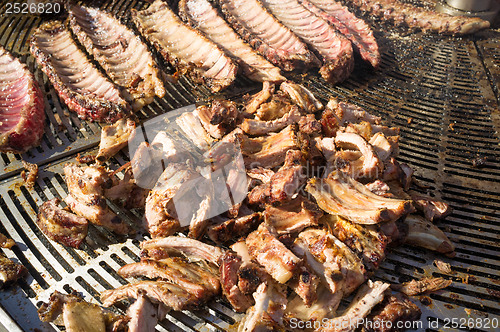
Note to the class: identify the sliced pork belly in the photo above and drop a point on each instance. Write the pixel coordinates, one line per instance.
(60, 225)
(367, 297)
(268, 35)
(292, 216)
(122, 54)
(86, 186)
(338, 194)
(185, 48)
(334, 48)
(22, 115)
(203, 16)
(79, 84)
(269, 252)
(157, 248)
(177, 270)
(355, 29)
(163, 292)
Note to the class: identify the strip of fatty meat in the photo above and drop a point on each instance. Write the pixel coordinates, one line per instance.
(121, 53)
(78, 82)
(22, 116)
(184, 47)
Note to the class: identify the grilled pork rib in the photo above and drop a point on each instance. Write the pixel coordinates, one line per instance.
(203, 16)
(185, 48)
(122, 54)
(143, 315)
(355, 29)
(60, 225)
(399, 13)
(79, 84)
(293, 216)
(230, 264)
(334, 48)
(267, 35)
(114, 137)
(22, 114)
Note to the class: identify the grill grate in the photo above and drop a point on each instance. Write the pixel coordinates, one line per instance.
(444, 94)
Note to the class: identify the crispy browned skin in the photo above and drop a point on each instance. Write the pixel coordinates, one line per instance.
(10, 271)
(60, 225)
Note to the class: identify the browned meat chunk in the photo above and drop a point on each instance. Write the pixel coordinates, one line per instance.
(5, 242)
(189, 247)
(425, 285)
(269, 252)
(341, 195)
(233, 229)
(176, 40)
(122, 54)
(301, 97)
(293, 216)
(86, 187)
(143, 315)
(76, 314)
(432, 208)
(253, 103)
(114, 137)
(257, 127)
(192, 277)
(230, 264)
(305, 284)
(425, 234)
(394, 309)
(30, 178)
(60, 225)
(10, 271)
(163, 292)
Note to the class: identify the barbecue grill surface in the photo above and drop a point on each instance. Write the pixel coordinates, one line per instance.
(442, 91)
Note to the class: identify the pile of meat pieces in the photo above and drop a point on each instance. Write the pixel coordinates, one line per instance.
(326, 199)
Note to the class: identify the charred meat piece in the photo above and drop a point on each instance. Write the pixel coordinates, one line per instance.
(305, 285)
(371, 167)
(230, 264)
(10, 271)
(162, 292)
(143, 315)
(368, 243)
(267, 313)
(114, 138)
(253, 103)
(394, 309)
(76, 314)
(269, 252)
(86, 187)
(268, 35)
(301, 97)
(22, 114)
(177, 43)
(288, 179)
(30, 178)
(262, 174)
(425, 234)
(189, 247)
(232, 229)
(293, 216)
(5, 242)
(250, 275)
(122, 54)
(60, 225)
(367, 297)
(177, 270)
(269, 151)
(334, 48)
(257, 127)
(279, 105)
(399, 13)
(338, 194)
(355, 29)
(432, 208)
(331, 260)
(416, 287)
(79, 84)
(203, 16)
